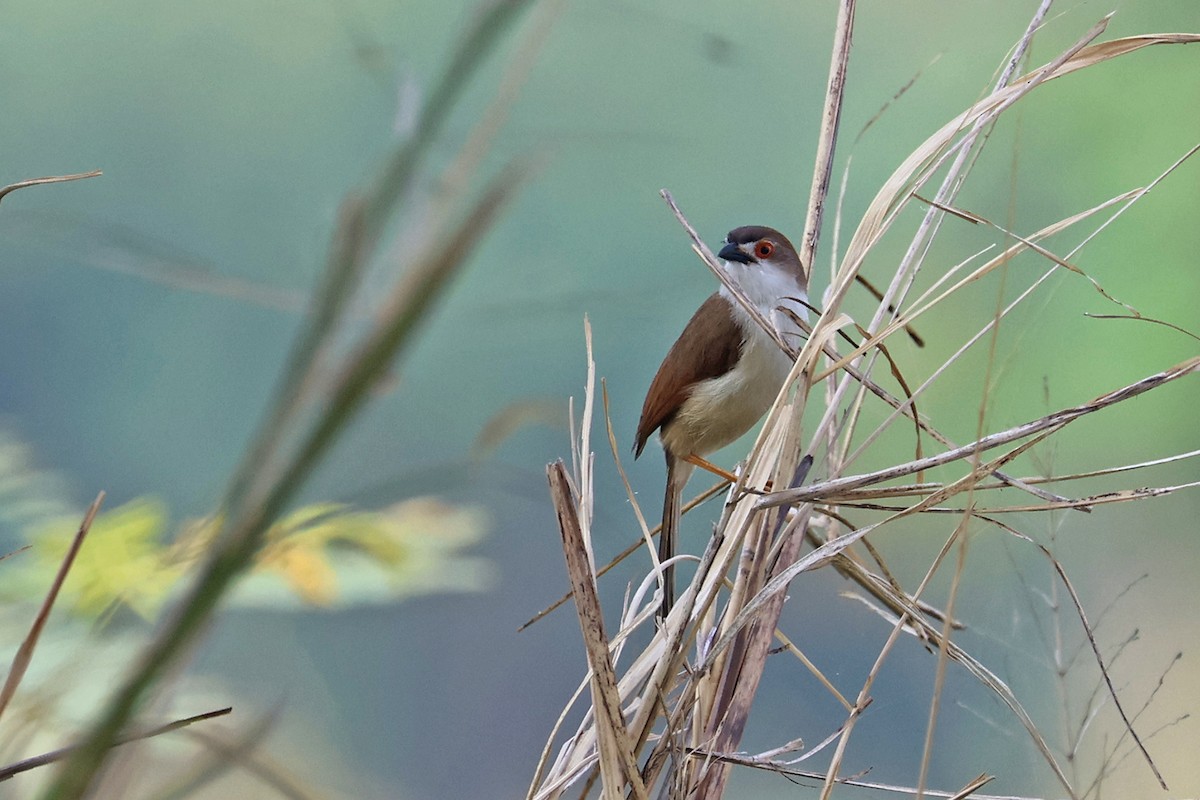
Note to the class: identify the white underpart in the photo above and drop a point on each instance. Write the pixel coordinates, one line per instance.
(768, 289)
(720, 410)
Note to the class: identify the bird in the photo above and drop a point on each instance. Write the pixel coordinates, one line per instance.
(724, 371)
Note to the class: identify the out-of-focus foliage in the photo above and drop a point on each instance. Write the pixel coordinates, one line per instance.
(123, 561)
(323, 554)
(332, 556)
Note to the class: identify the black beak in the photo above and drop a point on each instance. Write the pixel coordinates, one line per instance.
(731, 252)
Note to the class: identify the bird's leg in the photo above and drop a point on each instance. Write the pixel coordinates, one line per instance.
(705, 464)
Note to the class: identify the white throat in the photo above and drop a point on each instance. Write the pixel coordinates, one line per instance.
(770, 291)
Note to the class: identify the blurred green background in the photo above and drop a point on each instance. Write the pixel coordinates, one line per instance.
(144, 317)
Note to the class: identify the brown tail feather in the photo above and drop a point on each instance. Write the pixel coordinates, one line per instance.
(670, 528)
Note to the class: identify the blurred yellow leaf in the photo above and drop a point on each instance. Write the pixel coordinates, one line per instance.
(122, 560)
(324, 554)
(306, 570)
(412, 546)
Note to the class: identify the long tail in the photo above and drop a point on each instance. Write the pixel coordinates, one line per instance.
(677, 473)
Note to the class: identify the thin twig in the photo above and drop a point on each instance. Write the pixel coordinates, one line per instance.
(12, 187)
(818, 491)
(835, 91)
(1112, 691)
(58, 755)
(226, 754)
(24, 655)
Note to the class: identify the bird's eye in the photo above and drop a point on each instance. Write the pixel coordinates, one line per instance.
(764, 249)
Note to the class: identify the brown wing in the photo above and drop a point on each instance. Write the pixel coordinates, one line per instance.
(707, 348)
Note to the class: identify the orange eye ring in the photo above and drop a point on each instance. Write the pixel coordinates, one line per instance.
(764, 249)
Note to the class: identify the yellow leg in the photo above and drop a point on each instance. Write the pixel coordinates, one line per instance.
(705, 464)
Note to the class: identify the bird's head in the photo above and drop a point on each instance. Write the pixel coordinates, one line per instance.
(765, 265)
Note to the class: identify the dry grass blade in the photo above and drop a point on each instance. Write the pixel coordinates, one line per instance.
(939, 677)
(1080, 504)
(12, 187)
(788, 646)
(241, 754)
(831, 488)
(1122, 468)
(1129, 197)
(16, 552)
(1001, 689)
(1137, 196)
(904, 387)
(883, 588)
(224, 755)
(924, 630)
(971, 788)
(785, 769)
(924, 304)
(952, 182)
(835, 91)
(858, 496)
(630, 549)
(24, 653)
(863, 281)
(919, 166)
(892, 197)
(667, 654)
(58, 755)
(1151, 320)
(907, 408)
(544, 759)
(650, 676)
(617, 764)
(743, 673)
(1035, 247)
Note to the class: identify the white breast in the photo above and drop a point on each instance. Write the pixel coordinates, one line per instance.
(720, 410)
